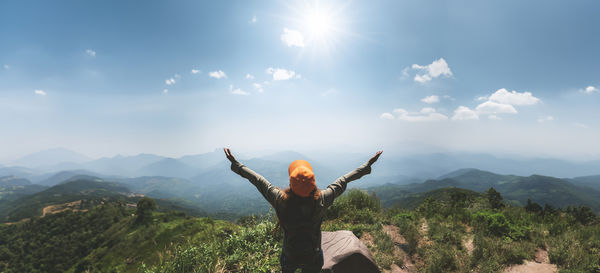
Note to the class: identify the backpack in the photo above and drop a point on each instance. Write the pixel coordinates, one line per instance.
(301, 223)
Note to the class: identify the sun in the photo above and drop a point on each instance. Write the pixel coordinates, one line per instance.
(319, 24)
(322, 24)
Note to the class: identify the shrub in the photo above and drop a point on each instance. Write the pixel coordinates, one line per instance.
(250, 249)
(497, 224)
(407, 223)
(384, 250)
(442, 260)
(355, 206)
(491, 254)
(582, 214)
(429, 207)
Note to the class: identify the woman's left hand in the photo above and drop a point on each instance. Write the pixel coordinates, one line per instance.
(229, 155)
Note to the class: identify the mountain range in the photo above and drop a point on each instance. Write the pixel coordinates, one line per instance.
(206, 181)
(515, 189)
(392, 168)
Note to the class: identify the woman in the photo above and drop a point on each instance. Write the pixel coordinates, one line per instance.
(300, 209)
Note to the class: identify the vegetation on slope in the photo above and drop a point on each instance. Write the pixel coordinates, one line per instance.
(87, 194)
(450, 230)
(462, 233)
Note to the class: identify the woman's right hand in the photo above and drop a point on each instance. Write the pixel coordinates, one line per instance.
(374, 158)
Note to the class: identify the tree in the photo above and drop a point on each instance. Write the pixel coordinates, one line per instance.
(494, 198)
(459, 199)
(582, 214)
(145, 206)
(533, 207)
(549, 210)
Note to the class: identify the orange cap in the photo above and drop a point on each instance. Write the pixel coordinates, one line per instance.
(302, 178)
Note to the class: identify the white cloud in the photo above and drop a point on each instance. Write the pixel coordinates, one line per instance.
(545, 119)
(431, 99)
(298, 76)
(581, 125)
(427, 110)
(513, 97)
(292, 37)
(464, 113)
(217, 74)
(7, 67)
(490, 107)
(195, 71)
(90, 52)
(405, 74)
(482, 98)
(249, 77)
(280, 74)
(39, 92)
(437, 68)
(494, 117)
(258, 87)
(254, 19)
(426, 114)
(165, 91)
(170, 81)
(386, 116)
(422, 78)
(590, 89)
(237, 91)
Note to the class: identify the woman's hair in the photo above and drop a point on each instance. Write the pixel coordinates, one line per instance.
(288, 193)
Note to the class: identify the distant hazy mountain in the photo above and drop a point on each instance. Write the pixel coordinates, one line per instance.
(203, 161)
(592, 181)
(168, 167)
(162, 187)
(13, 181)
(50, 157)
(122, 165)
(17, 171)
(391, 168)
(515, 189)
(63, 176)
(13, 187)
(435, 165)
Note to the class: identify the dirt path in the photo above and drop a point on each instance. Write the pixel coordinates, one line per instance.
(468, 244)
(540, 265)
(52, 209)
(424, 231)
(468, 240)
(400, 245)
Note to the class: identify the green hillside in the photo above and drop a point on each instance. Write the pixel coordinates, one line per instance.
(451, 230)
(104, 239)
(84, 194)
(413, 200)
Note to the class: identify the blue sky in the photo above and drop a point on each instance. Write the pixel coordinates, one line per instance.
(183, 77)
